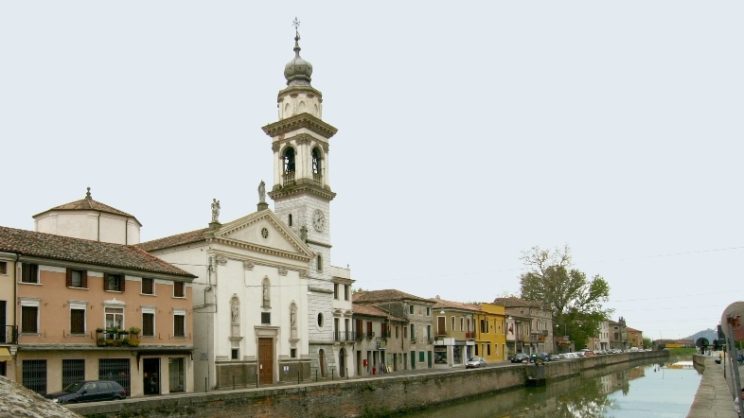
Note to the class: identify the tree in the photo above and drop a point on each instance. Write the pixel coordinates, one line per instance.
(575, 301)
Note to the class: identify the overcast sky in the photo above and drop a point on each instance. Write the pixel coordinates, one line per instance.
(468, 133)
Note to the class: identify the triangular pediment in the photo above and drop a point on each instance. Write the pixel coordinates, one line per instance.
(263, 231)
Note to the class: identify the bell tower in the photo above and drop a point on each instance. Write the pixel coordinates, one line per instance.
(302, 191)
(300, 143)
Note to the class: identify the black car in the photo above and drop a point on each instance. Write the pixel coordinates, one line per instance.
(89, 391)
(520, 358)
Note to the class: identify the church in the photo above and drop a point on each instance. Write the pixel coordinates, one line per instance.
(268, 306)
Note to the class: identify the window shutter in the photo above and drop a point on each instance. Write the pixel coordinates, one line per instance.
(85, 278)
(68, 278)
(123, 282)
(105, 281)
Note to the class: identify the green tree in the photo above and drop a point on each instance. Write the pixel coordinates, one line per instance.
(575, 301)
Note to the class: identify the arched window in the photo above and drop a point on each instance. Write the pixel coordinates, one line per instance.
(266, 287)
(289, 220)
(317, 157)
(289, 160)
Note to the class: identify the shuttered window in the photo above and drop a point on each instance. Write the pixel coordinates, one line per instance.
(148, 287)
(30, 319)
(77, 278)
(77, 321)
(148, 324)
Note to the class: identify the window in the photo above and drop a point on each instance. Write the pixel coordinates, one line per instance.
(316, 162)
(289, 160)
(346, 292)
(410, 309)
(462, 324)
(335, 291)
(266, 318)
(148, 286)
(113, 282)
(370, 333)
(320, 320)
(178, 290)
(35, 375)
(293, 352)
(413, 332)
(234, 354)
(483, 326)
(29, 317)
(3, 267)
(405, 332)
(428, 332)
(30, 273)
(73, 371)
(114, 317)
(116, 370)
(289, 220)
(77, 278)
(179, 323)
(320, 263)
(148, 322)
(77, 318)
(452, 323)
(428, 311)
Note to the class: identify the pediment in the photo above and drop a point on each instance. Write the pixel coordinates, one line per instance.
(264, 232)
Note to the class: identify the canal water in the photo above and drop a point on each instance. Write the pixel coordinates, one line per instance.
(622, 391)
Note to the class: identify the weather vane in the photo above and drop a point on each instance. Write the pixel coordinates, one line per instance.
(296, 24)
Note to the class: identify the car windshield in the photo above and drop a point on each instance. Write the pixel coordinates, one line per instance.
(72, 388)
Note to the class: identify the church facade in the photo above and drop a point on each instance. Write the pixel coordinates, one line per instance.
(268, 305)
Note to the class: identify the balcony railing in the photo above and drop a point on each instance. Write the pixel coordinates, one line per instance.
(115, 337)
(288, 179)
(340, 336)
(369, 335)
(318, 179)
(9, 334)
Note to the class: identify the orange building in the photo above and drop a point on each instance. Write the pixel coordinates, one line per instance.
(87, 310)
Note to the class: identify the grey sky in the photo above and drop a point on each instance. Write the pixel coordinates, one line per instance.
(468, 133)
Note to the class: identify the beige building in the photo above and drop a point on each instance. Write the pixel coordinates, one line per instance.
(529, 326)
(418, 337)
(379, 344)
(454, 324)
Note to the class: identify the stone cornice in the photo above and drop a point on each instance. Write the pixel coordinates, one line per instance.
(300, 139)
(319, 244)
(295, 89)
(303, 120)
(301, 186)
(261, 249)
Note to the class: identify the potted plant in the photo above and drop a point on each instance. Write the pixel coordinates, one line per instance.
(134, 339)
(100, 338)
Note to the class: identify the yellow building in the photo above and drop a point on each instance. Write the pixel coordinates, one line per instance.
(490, 332)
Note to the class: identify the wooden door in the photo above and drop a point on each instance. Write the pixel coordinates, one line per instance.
(265, 360)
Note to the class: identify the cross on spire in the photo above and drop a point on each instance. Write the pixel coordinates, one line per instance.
(296, 24)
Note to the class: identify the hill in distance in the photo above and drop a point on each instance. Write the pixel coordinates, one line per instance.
(708, 333)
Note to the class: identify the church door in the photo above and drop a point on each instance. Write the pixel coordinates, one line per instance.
(265, 360)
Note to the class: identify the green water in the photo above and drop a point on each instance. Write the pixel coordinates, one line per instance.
(640, 391)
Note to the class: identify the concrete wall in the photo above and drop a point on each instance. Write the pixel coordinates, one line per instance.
(361, 397)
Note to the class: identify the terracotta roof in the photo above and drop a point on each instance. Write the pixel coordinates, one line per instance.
(442, 303)
(368, 310)
(174, 240)
(384, 295)
(629, 329)
(87, 203)
(512, 302)
(58, 247)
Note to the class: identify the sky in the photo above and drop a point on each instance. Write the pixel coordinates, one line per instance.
(469, 132)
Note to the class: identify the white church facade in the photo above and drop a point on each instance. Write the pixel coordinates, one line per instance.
(268, 305)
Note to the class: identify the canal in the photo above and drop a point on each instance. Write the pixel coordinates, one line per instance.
(628, 390)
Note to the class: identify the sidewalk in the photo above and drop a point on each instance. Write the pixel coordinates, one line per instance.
(713, 398)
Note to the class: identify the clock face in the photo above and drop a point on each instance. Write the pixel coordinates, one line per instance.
(319, 221)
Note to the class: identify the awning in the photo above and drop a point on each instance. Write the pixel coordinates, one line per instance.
(5, 354)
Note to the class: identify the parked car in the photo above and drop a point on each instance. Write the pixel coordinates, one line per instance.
(475, 362)
(540, 357)
(520, 358)
(89, 391)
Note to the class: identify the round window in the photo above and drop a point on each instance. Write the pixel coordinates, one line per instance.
(320, 320)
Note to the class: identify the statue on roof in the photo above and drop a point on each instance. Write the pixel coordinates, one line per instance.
(215, 210)
(262, 192)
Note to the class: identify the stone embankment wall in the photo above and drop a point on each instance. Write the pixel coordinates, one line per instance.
(367, 397)
(713, 398)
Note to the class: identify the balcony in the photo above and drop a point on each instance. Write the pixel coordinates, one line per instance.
(370, 335)
(288, 179)
(9, 334)
(114, 337)
(344, 336)
(318, 179)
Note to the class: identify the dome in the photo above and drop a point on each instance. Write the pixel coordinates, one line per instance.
(298, 71)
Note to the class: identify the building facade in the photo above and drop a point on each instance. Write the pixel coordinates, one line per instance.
(417, 334)
(532, 323)
(379, 344)
(88, 309)
(454, 324)
(490, 332)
